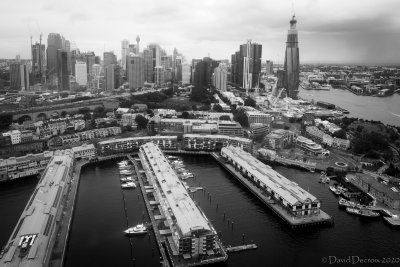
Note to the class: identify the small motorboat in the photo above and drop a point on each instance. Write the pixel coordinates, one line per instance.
(126, 179)
(335, 190)
(136, 230)
(128, 185)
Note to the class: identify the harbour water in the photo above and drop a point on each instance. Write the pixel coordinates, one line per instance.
(385, 109)
(97, 238)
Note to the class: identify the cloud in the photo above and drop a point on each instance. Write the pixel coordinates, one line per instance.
(340, 30)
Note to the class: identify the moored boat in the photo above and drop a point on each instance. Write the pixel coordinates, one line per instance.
(363, 212)
(128, 185)
(136, 230)
(335, 190)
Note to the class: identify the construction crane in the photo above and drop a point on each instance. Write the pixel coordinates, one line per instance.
(278, 96)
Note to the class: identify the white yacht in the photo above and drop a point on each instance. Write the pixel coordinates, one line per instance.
(128, 185)
(136, 230)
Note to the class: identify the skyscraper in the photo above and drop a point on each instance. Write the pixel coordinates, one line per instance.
(63, 69)
(269, 67)
(19, 76)
(220, 77)
(109, 77)
(148, 65)
(292, 64)
(203, 72)
(159, 72)
(124, 52)
(135, 71)
(109, 58)
(38, 61)
(54, 42)
(248, 58)
(186, 72)
(156, 57)
(80, 73)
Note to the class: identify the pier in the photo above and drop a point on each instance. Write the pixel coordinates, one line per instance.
(294, 222)
(241, 248)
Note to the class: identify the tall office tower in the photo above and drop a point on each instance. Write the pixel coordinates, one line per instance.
(292, 63)
(203, 72)
(178, 68)
(166, 62)
(63, 70)
(220, 77)
(247, 75)
(96, 71)
(109, 58)
(67, 46)
(38, 61)
(168, 74)
(148, 65)
(253, 53)
(269, 67)
(97, 60)
(18, 58)
(109, 77)
(117, 76)
(54, 43)
(124, 52)
(156, 56)
(80, 73)
(137, 44)
(193, 69)
(90, 60)
(135, 71)
(186, 72)
(159, 75)
(19, 76)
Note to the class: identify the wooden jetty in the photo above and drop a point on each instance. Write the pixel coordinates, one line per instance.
(241, 248)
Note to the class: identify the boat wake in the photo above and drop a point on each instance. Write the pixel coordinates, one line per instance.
(397, 115)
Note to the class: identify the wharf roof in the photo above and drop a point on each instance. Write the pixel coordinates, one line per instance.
(138, 139)
(38, 218)
(187, 214)
(218, 136)
(29, 157)
(285, 188)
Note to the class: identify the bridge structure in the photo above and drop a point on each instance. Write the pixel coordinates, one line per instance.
(47, 112)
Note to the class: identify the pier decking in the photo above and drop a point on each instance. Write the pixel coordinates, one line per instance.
(294, 222)
(241, 248)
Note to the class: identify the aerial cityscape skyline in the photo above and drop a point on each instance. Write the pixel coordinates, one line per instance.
(331, 32)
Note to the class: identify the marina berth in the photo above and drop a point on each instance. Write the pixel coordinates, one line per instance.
(31, 243)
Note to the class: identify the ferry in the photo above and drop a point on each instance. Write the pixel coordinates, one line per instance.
(363, 212)
(125, 172)
(128, 185)
(343, 203)
(136, 230)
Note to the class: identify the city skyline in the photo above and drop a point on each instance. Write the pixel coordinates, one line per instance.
(330, 31)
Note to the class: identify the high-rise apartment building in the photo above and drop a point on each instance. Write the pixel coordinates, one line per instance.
(292, 62)
(19, 76)
(220, 77)
(124, 52)
(109, 77)
(203, 72)
(135, 71)
(148, 65)
(80, 73)
(63, 69)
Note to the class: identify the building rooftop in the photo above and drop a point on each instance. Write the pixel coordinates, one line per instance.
(218, 136)
(187, 214)
(285, 188)
(138, 139)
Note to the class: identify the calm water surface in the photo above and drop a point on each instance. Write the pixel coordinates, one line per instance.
(97, 238)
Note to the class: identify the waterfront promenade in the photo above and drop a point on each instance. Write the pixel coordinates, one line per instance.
(294, 222)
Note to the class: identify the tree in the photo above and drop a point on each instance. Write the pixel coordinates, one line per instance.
(250, 102)
(225, 118)
(241, 118)
(194, 108)
(340, 134)
(185, 115)
(141, 122)
(84, 110)
(218, 108)
(64, 113)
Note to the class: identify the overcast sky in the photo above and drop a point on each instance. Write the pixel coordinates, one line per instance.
(330, 31)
